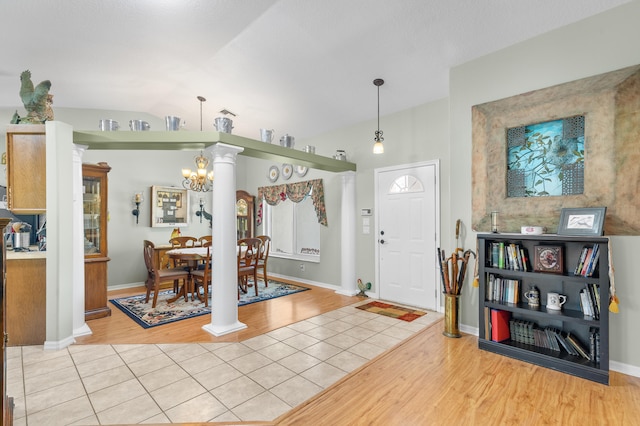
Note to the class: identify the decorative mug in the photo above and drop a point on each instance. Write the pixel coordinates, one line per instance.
(172, 123)
(266, 135)
(139, 125)
(533, 297)
(107, 125)
(555, 301)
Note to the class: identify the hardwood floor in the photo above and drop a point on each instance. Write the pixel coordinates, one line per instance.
(428, 379)
(259, 317)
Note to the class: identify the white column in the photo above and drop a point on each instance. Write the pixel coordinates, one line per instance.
(224, 283)
(80, 327)
(60, 265)
(348, 235)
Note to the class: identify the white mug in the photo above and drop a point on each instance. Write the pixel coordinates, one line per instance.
(555, 301)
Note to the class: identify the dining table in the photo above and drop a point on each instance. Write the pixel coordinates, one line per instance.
(192, 256)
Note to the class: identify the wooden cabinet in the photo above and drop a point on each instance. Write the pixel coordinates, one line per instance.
(529, 329)
(26, 168)
(6, 402)
(26, 292)
(94, 184)
(245, 214)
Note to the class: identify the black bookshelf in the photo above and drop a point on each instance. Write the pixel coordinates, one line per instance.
(570, 319)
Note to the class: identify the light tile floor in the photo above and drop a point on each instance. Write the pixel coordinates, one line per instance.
(258, 379)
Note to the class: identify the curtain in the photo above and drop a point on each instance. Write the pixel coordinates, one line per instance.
(295, 192)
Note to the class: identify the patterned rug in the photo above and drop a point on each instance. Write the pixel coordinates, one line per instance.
(393, 311)
(165, 313)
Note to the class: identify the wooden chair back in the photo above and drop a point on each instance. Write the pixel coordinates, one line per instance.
(182, 242)
(248, 262)
(264, 256)
(204, 239)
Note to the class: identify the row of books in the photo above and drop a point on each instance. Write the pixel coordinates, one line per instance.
(503, 290)
(509, 256)
(588, 261)
(503, 327)
(590, 300)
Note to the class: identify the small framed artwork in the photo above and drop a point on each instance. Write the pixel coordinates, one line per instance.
(582, 221)
(548, 259)
(169, 207)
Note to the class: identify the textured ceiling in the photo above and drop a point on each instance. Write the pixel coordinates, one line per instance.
(301, 67)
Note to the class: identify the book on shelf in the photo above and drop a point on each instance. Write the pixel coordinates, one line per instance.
(487, 324)
(500, 325)
(577, 347)
(509, 256)
(585, 303)
(590, 291)
(594, 344)
(504, 290)
(588, 261)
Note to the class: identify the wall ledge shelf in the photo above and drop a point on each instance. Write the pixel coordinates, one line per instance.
(196, 140)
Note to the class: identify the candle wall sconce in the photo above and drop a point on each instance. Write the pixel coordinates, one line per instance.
(137, 200)
(202, 212)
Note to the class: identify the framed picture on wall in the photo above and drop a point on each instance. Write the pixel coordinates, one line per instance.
(582, 221)
(169, 206)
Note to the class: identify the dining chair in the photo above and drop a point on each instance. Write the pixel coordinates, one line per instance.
(182, 242)
(264, 256)
(204, 239)
(248, 253)
(202, 277)
(155, 275)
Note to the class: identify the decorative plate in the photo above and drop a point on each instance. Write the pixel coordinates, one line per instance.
(301, 170)
(287, 171)
(274, 173)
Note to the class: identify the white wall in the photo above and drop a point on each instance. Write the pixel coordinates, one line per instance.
(596, 45)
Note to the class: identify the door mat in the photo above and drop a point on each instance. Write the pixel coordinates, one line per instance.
(393, 311)
(165, 313)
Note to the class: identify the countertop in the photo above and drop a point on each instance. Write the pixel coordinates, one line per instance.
(32, 254)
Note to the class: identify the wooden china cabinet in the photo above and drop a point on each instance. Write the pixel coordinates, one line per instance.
(245, 214)
(94, 184)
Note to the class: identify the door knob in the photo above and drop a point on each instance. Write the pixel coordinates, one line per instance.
(381, 241)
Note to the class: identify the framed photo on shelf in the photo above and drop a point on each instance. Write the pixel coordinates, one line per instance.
(548, 259)
(582, 221)
(169, 207)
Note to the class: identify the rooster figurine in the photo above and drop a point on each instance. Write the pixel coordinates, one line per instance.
(34, 99)
(363, 287)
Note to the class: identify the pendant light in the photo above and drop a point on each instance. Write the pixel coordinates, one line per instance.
(201, 99)
(378, 148)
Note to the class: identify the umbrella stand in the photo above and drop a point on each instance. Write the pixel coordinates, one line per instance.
(452, 280)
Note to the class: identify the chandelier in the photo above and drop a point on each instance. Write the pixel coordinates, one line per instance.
(201, 179)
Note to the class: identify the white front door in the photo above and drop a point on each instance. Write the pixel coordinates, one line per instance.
(407, 205)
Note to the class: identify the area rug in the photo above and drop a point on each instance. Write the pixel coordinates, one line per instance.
(165, 313)
(393, 311)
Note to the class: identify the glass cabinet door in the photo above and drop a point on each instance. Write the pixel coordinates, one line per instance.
(92, 210)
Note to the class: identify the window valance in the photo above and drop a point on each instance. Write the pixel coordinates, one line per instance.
(295, 192)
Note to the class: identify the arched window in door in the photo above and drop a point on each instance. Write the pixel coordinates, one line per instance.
(406, 184)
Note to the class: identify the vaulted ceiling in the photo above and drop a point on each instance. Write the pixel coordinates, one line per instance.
(302, 67)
